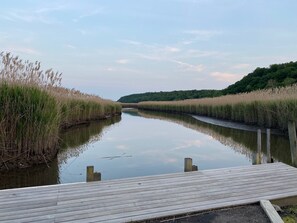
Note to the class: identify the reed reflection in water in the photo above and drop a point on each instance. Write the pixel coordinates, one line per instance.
(73, 142)
(147, 143)
(241, 141)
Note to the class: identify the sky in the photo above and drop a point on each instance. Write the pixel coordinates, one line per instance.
(112, 48)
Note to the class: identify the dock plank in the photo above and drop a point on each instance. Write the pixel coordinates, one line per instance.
(149, 196)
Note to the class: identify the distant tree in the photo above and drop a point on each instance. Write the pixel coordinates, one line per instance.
(276, 75)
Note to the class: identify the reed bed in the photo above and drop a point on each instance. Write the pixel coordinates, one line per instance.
(271, 108)
(33, 109)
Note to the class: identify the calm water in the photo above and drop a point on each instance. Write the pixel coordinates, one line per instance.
(146, 143)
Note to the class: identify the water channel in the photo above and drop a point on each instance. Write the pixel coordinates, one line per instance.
(143, 143)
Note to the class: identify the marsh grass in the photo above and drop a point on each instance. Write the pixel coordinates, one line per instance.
(33, 109)
(271, 108)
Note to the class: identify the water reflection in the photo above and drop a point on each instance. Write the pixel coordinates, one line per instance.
(243, 142)
(34, 176)
(147, 143)
(73, 142)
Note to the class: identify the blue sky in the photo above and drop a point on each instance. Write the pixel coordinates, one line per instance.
(113, 48)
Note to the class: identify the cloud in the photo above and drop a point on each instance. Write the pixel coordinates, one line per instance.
(25, 50)
(130, 42)
(226, 77)
(187, 42)
(3, 36)
(29, 16)
(202, 34)
(172, 49)
(89, 14)
(203, 53)
(8, 18)
(110, 69)
(150, 57)
(189, 67)
(50, 9)
(123, 61)
(241, 66)
(70, 46)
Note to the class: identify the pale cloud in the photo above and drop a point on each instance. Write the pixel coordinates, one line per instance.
(189, 67)
(182, 65)
(187, 42)
(70, 46)
(149, 57)
(204, 53)
(241, 66)
(110, 69)
(8, 18)
(82, 31)
(123, 61)
(172, 49)
(25, 50)
(3, 36)
(121, 70)
(130, 42)
(89, 14)
(226, 77)
(28, 16)
(202, 34)
(50, 9)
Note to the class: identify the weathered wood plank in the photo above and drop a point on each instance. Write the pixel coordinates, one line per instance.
(148, 197)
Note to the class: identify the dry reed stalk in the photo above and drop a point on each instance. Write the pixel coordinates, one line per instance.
(34, 107)
(269, 108)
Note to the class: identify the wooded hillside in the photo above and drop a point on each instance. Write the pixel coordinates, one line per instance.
(276, 75)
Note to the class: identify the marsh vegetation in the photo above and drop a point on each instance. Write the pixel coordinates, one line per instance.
(271, 108)
(34, 108)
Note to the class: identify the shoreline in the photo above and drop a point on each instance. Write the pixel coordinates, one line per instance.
(21, 162)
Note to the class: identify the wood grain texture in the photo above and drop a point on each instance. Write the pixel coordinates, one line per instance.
(148, 197)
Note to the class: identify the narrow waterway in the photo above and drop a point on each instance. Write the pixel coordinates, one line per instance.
(147, 143)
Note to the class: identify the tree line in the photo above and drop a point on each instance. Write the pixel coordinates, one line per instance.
(276, 75)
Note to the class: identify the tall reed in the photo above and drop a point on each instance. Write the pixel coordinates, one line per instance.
(268, 108)
(34, 107)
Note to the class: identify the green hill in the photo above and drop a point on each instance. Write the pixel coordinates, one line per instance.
(277, 75)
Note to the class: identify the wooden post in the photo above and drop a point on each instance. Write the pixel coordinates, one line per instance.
(188, 164)
(90, 173)
(97, 176)
(259, 146)
(293, 141)
(268, 145)
(194, 168)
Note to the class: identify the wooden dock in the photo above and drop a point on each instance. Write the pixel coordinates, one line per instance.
(148, 197)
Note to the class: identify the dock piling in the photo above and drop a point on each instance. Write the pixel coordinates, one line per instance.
(188, 165)
(268, 146)
(90, 173)
(293, 141)
(259, 145)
